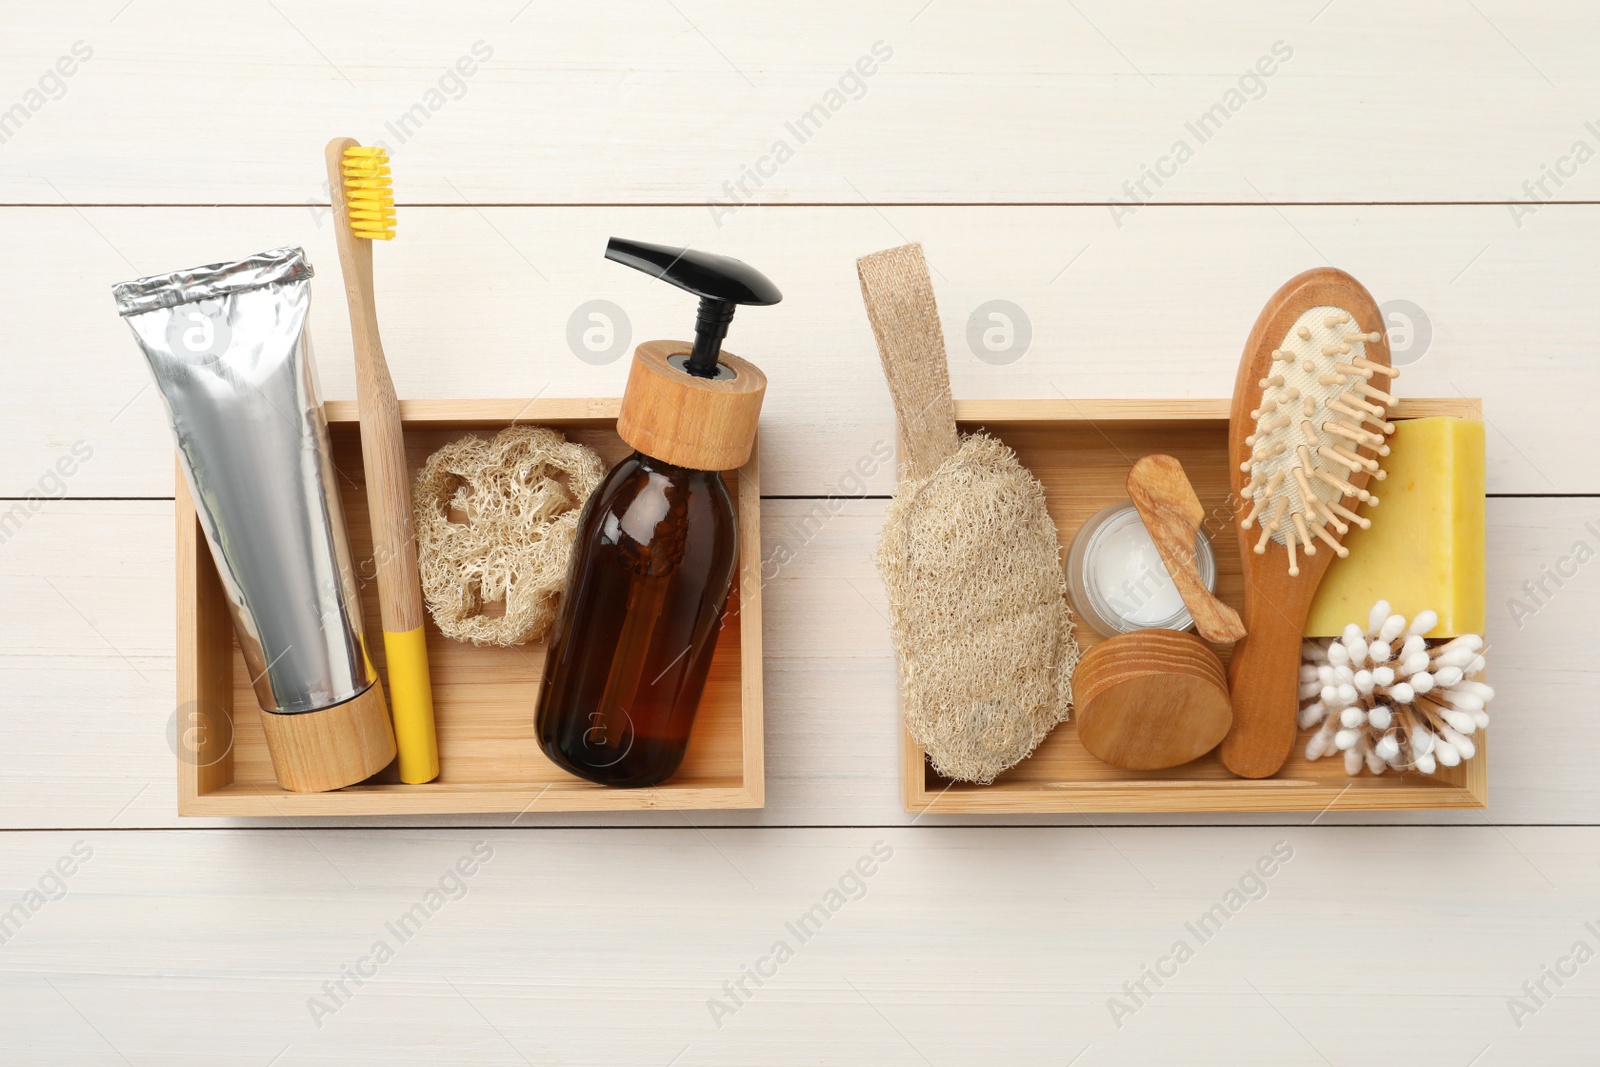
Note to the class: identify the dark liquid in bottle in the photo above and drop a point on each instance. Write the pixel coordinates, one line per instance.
(651, 570)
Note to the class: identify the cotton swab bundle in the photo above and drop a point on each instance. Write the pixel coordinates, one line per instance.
(1388, 700)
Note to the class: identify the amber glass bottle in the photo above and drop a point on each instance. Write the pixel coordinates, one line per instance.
(656, 548)
(627, 665)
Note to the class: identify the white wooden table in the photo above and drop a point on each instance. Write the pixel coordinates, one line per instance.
(1389, 139)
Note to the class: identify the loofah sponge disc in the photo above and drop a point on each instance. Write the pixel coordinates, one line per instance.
(495, 521)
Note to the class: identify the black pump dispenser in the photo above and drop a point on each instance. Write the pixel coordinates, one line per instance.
(721, 282)
(656, 552)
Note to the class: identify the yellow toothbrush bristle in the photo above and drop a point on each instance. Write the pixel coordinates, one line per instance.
(369, 193)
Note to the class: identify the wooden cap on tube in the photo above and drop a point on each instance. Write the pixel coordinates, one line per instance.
(314, 751)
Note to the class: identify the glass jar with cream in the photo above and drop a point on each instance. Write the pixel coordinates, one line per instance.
(1116, 579)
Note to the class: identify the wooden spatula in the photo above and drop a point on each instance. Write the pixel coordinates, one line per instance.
(1172, 514)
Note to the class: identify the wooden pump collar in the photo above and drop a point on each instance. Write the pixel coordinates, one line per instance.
(706, 424)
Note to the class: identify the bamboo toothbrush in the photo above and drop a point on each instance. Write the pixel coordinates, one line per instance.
(1307, 424)
(363, 201)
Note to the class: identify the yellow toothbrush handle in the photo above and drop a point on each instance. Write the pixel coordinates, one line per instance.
(411, 703)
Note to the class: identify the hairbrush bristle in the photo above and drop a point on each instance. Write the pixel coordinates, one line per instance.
(1320, 421)
(369, 193)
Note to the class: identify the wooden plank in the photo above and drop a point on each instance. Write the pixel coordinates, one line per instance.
(228, 946)
(1031, 103)
(88, 671)
(479, 305)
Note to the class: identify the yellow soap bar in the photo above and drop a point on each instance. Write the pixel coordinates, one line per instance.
(1425, 547)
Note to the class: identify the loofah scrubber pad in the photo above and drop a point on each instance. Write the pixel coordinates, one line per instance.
(495, 522)
(977, 603)
(969, 555)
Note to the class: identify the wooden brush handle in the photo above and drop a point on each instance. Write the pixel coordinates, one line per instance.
(383, 450)
(383, 455)
(1265, 673)
(1267, 705)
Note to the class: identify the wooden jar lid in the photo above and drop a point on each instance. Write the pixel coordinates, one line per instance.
(313, 751)
(1151, 699)
(702, 423)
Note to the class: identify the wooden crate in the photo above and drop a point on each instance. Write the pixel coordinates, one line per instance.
(1082, 451)
(484, 698)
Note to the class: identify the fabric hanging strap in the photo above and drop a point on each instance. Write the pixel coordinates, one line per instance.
(905, 321)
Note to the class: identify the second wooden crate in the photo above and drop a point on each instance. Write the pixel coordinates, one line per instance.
(1082, 451)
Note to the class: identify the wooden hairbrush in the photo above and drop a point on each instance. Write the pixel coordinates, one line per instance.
(1304, 434)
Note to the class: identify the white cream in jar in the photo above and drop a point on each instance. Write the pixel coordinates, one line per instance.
(1117, 581)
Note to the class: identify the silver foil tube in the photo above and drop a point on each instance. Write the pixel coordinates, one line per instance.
(228, 346)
